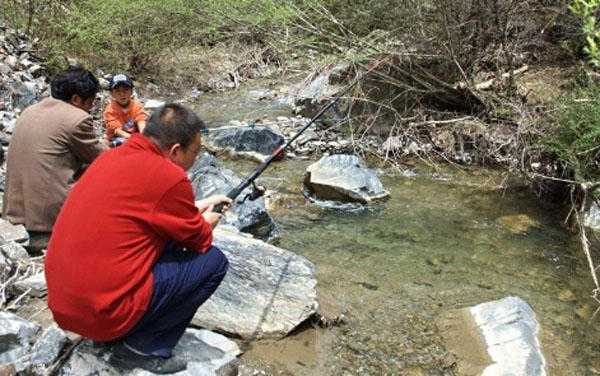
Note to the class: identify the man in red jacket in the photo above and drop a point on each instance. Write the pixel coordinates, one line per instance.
(130, 257)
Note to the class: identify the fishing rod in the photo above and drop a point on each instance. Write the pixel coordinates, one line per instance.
(250, 180)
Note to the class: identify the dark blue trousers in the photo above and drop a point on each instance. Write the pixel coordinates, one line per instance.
(182, 282)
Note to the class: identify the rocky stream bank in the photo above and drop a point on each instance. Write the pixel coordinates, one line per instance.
(421, 284)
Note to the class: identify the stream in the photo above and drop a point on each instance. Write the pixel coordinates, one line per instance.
(446, 239)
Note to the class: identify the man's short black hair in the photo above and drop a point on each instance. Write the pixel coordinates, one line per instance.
(74, 81)
(173, 124)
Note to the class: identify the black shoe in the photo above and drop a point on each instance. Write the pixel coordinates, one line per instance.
(125, 358)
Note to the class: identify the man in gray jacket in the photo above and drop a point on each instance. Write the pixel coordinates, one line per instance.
(52, 141)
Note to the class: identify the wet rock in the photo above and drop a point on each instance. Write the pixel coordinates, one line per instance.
(36, 284)
(567, 296)
(48, 346)
(518, 224)
(207, 354)
(510, 331)
(267, 291)
(16, 334)
(209, 178)
(343, 178)
(256, 143)
(13, 233)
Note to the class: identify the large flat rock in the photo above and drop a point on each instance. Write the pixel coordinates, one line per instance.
(344, 178)
(207, 353)
(267, 292)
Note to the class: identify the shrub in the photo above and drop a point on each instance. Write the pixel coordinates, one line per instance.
(575, 140)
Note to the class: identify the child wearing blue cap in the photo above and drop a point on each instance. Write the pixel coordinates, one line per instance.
(124, 115)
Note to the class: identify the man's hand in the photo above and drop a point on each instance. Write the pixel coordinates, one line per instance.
(210, 217)
(207, 204)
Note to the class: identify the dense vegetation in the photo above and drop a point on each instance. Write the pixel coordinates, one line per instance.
(424, 48)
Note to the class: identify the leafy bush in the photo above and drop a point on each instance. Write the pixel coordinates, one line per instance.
(586, 10)
(575, 140)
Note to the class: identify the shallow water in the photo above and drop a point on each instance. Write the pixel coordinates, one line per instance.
(435, 245)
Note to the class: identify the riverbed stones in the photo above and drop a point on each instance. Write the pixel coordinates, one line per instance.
(494, 338)
(209, 177)
(510, 331)
(208, 354)
(267, 292)
(344, 178)
(252, 142)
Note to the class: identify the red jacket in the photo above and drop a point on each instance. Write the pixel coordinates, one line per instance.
(110, 232)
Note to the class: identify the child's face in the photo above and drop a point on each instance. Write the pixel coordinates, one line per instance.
(122, 94)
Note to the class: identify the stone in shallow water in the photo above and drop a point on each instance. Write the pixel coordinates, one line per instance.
(267, 291)
(256, 142)
(343, 178)
(208, 354)
(510, 330)
(209, 178)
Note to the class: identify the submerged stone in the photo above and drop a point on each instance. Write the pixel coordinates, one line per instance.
(267, 292)
(209, 178)
(343, 178)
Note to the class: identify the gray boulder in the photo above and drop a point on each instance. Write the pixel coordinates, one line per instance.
(14, 251)
(208, 354)
(209, 178)
(510, 329)
(16, 335)
(23, 94)
(13, 233)
(343, 178)
(36, 285)
(267, 291)
(256, 143)
(311, 96)
(48, 346)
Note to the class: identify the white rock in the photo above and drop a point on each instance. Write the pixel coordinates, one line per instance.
(152, 104)
(36, 283)
(510, 331)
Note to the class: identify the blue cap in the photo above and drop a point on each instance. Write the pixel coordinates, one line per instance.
(120, 79)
